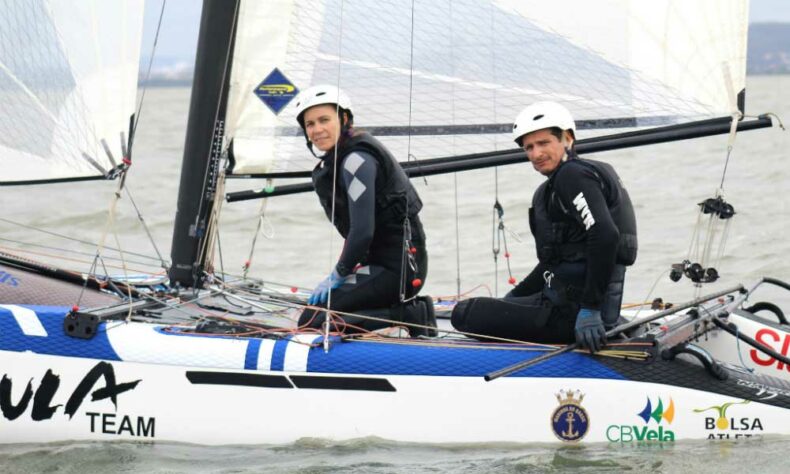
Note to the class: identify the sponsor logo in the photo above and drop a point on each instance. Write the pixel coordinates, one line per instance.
(570, 421)
(584, 211)
(764, 392)
(276, 91)
(8, 279)
(658, 430)
(771, 339)
(43, 396)
(722, 427)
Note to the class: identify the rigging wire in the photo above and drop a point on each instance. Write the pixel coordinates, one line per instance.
(147, 77)
(57, 249)
(145, 227)
(455, 175)
(457, 240)
(334, 177)
(72, 239)
(498, 230)
(407, 257)
(110, 228)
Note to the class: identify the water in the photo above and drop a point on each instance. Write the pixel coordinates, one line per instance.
(665, 182)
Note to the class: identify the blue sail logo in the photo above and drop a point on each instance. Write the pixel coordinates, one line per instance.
(276, 91)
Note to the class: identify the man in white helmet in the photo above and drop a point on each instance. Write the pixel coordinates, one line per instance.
(585, 234)
(369, 199)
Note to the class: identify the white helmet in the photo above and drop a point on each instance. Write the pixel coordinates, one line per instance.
(542, 115)
(320, 95)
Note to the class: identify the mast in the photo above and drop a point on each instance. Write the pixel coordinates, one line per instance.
(203, 147)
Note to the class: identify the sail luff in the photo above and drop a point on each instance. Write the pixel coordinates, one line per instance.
(204, 140)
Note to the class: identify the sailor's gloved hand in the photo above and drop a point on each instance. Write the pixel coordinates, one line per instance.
(321, 292)
(590, 332)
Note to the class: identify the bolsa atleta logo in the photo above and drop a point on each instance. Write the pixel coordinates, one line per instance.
(662, 416)
(570, 421)
(721, 427)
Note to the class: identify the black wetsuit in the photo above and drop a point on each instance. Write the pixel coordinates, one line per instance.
(585, 235)
(372, 199)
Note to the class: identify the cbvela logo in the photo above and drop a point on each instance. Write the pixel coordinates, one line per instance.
(43, 408)
(722, 427)
(570, 421)
(659, 430)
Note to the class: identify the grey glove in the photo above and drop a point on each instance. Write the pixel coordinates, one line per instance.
(590, 332)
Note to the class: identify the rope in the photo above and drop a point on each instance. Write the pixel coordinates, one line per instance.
(261, 218)
(738, 350)
(110, 227)
(650, 293)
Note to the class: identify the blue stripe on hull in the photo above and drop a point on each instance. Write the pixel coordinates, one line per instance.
(251, 357)
(278, 354)
(56, 342)
(402, 359)
(352, 357)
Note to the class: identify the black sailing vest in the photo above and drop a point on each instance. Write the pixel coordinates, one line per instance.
(396, 198)
(558, 242)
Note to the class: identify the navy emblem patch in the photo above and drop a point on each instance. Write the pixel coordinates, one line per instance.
(276, 91)
(570, 421)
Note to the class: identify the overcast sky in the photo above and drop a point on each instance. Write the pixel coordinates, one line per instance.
(178, 37)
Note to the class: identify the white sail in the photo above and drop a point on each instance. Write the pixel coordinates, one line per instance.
(439, 78)
(68, 82)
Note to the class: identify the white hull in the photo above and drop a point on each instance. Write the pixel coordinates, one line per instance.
(166, 406)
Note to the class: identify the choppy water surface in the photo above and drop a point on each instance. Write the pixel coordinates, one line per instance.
(665, 182)
(379, 456)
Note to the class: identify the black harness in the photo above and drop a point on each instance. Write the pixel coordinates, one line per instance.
(563, 240)
(396, 198)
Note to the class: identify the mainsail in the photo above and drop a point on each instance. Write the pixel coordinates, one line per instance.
(68, 82)
(435, 78)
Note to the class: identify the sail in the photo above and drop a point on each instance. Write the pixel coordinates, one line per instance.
(68, 82)
(435, 78)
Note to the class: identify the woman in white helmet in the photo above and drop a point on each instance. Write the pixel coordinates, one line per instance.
(369, 199)
(585, 234)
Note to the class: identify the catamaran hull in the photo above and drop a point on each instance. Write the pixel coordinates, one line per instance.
(194, 405)
(148, 382)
